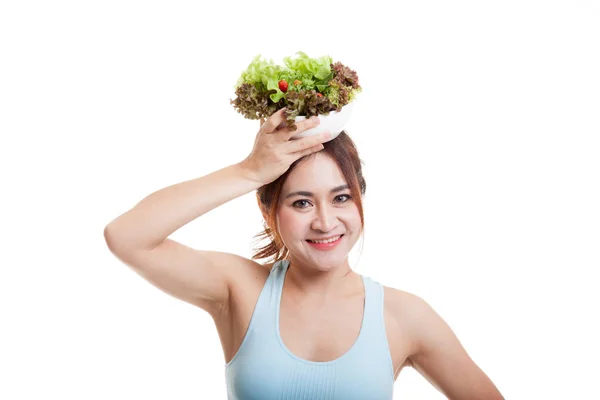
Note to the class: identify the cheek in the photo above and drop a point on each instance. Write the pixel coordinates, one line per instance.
(289, 223)
(352, 218)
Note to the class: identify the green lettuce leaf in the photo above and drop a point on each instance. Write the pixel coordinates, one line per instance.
(316, 86)
(320, 67)
(260, 71)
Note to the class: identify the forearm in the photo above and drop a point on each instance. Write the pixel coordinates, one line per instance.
(163, 212)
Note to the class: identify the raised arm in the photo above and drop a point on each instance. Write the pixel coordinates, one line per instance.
(139, 237)
(161, 213)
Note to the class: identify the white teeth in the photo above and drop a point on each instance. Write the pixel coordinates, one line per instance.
(333, 239)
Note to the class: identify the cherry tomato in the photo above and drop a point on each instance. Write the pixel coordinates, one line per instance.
(283, 85)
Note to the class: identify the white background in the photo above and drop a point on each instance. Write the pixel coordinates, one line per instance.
(478, 124)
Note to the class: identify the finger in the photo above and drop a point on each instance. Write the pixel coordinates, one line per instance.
(305, 152)
(302, 144)
(303, 126)
(273, 121)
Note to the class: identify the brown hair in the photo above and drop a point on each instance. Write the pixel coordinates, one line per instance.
(343, 151)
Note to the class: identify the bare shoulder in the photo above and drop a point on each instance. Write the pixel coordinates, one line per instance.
(402, 305)
(248, 281)
(250, 270)
(409, 308)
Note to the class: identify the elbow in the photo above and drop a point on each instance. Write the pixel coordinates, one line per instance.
(109, 238)
(114, 240)
(122, 241)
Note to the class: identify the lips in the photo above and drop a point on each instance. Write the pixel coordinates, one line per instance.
(325, 246)
(327, 238)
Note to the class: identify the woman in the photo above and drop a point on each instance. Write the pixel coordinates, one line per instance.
(304, 326)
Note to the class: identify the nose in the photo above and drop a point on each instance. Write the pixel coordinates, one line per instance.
(325, 220)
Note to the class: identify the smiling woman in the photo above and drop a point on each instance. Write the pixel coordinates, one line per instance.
(303, 324)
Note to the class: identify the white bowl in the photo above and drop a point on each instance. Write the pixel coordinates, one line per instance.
(333, 123)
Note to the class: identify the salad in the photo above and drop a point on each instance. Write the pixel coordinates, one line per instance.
(304, 86)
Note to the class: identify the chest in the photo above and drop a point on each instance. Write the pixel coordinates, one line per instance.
(312, 331)
(320, 332)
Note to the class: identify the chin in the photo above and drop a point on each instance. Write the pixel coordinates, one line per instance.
(323, 261)
(327, 261)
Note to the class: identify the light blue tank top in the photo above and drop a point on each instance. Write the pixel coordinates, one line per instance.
(264, 368)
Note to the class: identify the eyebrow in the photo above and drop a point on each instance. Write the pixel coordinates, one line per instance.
(309, 194)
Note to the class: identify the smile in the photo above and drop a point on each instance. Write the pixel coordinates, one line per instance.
(327, 245)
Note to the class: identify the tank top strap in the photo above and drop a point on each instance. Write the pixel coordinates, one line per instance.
(263, 316)
(373, 343)
(373, 322)
(275, 283)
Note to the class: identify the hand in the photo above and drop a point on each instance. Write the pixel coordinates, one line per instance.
(274, 152)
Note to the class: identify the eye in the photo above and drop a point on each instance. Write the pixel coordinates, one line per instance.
(298, 201)
(303, 200)
(345, 195)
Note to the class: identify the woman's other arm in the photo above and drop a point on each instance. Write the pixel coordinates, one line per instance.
(441, 359)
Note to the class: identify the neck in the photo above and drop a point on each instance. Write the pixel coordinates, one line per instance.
(311, 282)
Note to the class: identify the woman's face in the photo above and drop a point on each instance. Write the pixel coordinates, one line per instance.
(317, 213)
